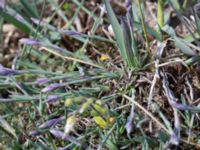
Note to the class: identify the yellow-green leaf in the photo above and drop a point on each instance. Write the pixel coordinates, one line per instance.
(101, 109)
(100, 121)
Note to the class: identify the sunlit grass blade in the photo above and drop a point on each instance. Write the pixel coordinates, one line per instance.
(121, 37)
(117, 29)
(161, 13)
(130, 43)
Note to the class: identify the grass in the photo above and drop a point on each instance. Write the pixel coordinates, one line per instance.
(70, 83)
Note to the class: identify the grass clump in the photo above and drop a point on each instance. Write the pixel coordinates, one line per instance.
(68, 82)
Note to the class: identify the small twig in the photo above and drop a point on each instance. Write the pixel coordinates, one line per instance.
(122, 107)
(129, 124)
(156, 75)
(171, 98)
(147, 113)
(70, 58)
(173, 62)
(177, 129)
(190, 88)
(190, 143)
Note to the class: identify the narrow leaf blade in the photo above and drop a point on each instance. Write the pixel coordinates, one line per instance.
(117, 29)
(183, 47)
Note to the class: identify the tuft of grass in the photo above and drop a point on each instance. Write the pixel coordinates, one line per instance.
(72, 91)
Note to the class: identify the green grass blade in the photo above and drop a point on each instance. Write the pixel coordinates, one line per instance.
(30, 9)
(149, 30)
(7, 127)
(22, 26)
(180, 43)
(116, 27)
(118, 32)
(197, 21)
